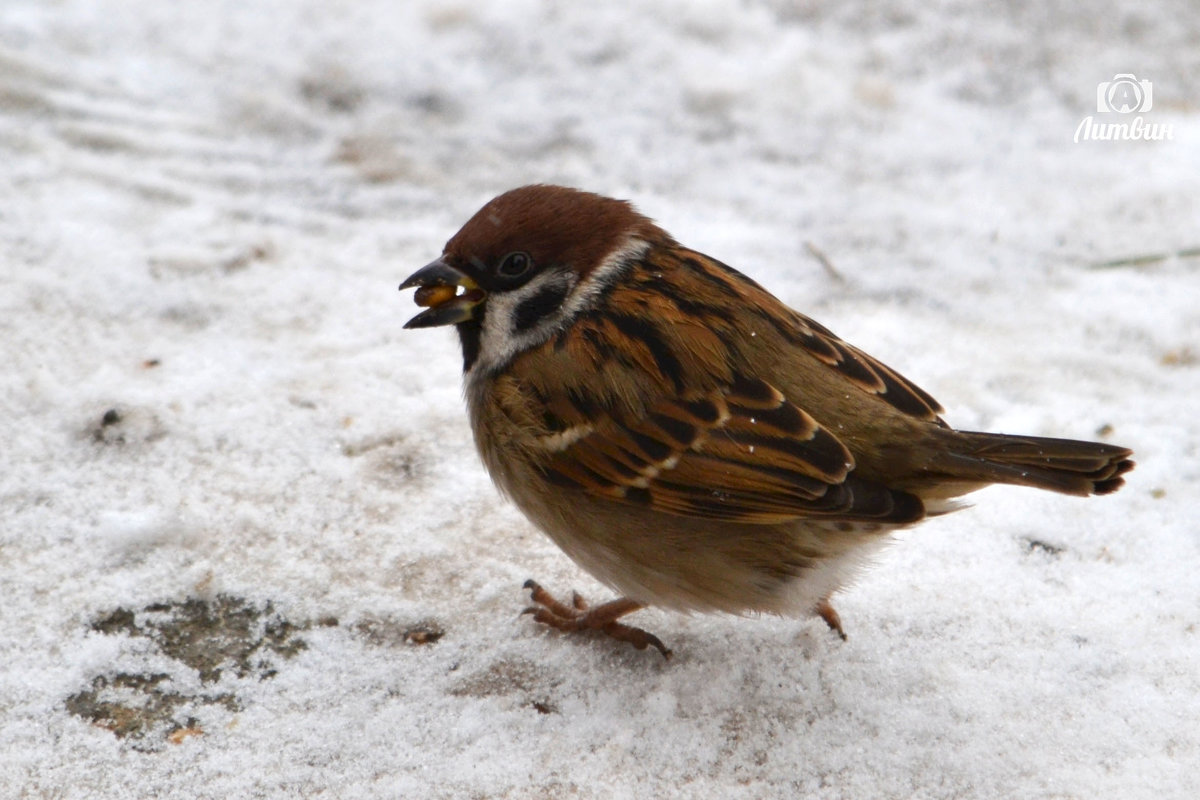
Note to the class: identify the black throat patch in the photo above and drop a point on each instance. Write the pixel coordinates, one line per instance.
(469, 333)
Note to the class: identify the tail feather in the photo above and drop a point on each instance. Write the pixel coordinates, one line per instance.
(1060, 465)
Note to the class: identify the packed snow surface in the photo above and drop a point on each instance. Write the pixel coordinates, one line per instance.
(248, 549)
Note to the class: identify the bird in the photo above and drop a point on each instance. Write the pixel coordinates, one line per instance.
(683, 435)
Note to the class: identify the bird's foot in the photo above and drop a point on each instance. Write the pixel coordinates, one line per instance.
(826, 611)
(579, 616)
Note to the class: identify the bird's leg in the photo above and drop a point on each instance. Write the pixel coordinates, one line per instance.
(826, 611)
(579, 616)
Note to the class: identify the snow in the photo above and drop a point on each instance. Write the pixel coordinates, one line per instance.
(204, 214)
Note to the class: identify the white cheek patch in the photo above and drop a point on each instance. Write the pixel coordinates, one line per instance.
(507, 330)
(603, 276)
(501, 339)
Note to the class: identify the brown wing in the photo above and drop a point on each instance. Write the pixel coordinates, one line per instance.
(697, 299)
(741, 453)
(698, 272)
(868, 373)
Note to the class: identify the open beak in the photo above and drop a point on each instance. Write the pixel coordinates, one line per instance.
(438, 289)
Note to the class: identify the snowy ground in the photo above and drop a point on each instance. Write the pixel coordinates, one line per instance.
(248, 550)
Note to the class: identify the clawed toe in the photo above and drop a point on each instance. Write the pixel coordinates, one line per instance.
(579, 616)
(827, 612)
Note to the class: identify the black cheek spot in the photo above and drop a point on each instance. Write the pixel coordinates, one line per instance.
(540, 305)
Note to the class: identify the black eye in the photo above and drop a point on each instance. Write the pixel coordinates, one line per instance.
(515, 265)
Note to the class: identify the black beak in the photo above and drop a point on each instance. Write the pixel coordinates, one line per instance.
(444, 308)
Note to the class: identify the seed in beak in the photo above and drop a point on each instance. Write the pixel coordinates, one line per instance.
(434, 296)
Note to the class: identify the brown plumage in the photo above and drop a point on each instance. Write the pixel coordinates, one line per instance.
(681, 433)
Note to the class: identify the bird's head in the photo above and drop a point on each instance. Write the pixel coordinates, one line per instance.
(524, 265)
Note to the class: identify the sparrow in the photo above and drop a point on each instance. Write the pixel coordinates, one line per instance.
(683, 435)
